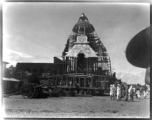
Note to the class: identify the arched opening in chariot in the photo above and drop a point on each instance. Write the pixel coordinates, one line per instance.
(81, 63)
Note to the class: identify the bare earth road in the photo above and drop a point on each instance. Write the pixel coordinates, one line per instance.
(75, 107)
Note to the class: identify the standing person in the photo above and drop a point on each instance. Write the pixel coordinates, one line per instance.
(145, 91)
(77, 87)
(118, 92)
(70, 85)
(111, 92)
(114, 90)
(126, 92)
(122, 91)
(148, 89)
(138, 93)
(130, 93)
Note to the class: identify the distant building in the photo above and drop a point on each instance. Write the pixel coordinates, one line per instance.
(5, 71)
(39, 68)
(4, 64)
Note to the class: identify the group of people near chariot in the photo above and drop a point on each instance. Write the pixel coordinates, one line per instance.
(127, 92)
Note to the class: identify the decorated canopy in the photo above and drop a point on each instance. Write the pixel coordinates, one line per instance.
(80, 48)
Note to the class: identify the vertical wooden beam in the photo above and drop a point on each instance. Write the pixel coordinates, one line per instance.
(96, 64)
(91, 82)
(84, 81)
(76, 65)
(73, 81)
(56, 80)
(70, 64)
(65, 66)
(91, 65)
(73, 63)
(98, 81)
(79, 81)
(66, 79)
(86, 65)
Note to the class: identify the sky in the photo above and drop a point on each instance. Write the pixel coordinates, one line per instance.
(38, 31)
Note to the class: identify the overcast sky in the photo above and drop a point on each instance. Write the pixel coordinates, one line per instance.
(36, 32)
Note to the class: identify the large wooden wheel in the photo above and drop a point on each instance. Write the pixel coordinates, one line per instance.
(38, 90)
(28, 90)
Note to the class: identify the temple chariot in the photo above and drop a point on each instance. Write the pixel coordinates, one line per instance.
(86, 61)
(86, 64)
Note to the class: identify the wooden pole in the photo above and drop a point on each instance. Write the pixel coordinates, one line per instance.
(68, 65)
(86, 66)
(84, 81)
(91, 82)
(76, 65)
(96, 64)
(79, 81)
(72, 63)
(91, 65)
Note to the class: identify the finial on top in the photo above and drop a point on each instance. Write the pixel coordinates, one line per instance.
(83, 18)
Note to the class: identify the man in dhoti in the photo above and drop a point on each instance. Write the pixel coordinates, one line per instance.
(145, 91)
(126, 92)
(130, 93)
(111, 92)
(114, 91)
(118, 92)
(137, 92)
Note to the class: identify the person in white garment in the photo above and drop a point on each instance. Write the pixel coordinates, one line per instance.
(114, 91)
(130, 93)
(137, 93)
(145, 91)
(118, 92)
(111, 91)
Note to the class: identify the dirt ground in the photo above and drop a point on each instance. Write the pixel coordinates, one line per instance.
(75, 107)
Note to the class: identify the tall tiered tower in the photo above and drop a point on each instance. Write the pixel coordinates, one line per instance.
(84, 52)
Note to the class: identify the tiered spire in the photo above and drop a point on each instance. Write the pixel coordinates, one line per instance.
(83, 27)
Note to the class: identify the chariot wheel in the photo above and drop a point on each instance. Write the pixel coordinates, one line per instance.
(38, 90)
(28, 90)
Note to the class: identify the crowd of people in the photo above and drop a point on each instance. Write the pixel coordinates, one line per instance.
(127, 92)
